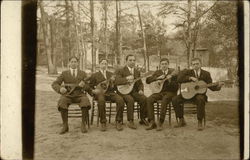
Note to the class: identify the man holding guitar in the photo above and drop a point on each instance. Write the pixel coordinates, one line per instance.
(72, 91)
(168, 77)
(102, 83)
(194, 75)
(128, 76)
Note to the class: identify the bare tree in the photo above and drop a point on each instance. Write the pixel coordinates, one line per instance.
(118, 33)
(146, 57)
(46, 28)
(92, 36)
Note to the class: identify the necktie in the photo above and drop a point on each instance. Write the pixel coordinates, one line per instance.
(74, 73)
(196, 74)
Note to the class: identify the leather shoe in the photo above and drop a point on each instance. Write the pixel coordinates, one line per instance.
(132, 125)
(181, 123)
(83, 128)
(64, 129)
(159, 126)
(151, 126)
(103, 127)
(119, 126)
(144, 122)
(200, 127)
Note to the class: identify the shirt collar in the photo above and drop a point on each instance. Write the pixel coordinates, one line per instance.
(165, 72)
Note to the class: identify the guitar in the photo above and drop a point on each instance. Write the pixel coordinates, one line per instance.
(127, 88)
(190, 89)
(157, 85)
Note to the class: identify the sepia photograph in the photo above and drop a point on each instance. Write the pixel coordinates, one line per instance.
(134, 80)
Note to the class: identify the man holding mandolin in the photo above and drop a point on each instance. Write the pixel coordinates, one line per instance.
(195, 81)
(71, 85)
(102, 83)
(130, 87)
(164, 87)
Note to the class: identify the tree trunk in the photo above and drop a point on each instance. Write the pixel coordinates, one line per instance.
(93, 36)
(67, 29)
(146, 57)
(189, 34)
(46, 35)
(105, 28)
(118, 44)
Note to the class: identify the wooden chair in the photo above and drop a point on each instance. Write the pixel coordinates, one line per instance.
(110, 110)
(74, 111)
(157, 109)
(191, 108)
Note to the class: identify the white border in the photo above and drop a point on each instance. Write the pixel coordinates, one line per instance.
(11, 135)
(247, 74)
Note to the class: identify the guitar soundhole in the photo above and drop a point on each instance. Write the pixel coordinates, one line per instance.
(104, 86)
(196, 87)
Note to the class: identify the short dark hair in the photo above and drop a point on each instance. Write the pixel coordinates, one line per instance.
(164, 59)
(196, 59)
(129, 55)
(102, 59)
(72, 57)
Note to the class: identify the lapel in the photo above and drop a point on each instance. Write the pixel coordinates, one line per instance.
(108, 74)
(100, 77)
(127, 71)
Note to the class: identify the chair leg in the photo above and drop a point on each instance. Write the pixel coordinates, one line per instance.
(158, 108)
(169, 114)
(92, 112)
(98, 117)
(110, 105)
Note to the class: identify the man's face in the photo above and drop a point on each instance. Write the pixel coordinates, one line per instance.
(131, 61)
(73, 63)
(103, 65)
(196, 64)
(164, 65)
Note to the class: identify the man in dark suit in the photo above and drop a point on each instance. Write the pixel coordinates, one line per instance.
(98, 80)
(168, 91)
(72, 91)
(127, 75)
(193, 75)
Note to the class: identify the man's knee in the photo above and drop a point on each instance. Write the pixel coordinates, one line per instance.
(200, 99)
(119, 101)
(64, 102)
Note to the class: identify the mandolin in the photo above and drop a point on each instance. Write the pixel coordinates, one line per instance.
(104, 85)
(157, 85)
(127, 88)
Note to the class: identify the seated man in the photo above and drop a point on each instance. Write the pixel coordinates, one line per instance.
(125, 76)
(193, 75)
(167, 92)
(72, 91)
(102, 83)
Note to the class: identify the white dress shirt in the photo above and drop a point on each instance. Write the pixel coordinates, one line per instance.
(131, 70)
(73, 71)
(104, 73)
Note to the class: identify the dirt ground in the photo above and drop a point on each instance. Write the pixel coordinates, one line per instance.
(220, 139)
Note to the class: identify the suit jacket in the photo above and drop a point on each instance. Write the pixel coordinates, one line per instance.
(205, 76)
(67, 78)
(98, 77)
(121, 75)
(171, 86)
